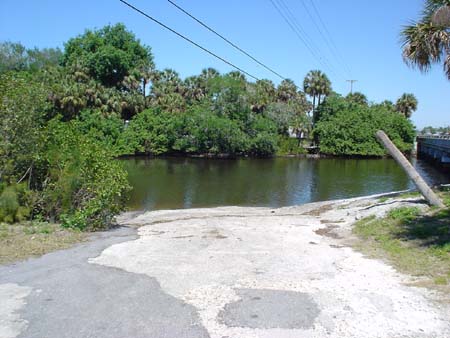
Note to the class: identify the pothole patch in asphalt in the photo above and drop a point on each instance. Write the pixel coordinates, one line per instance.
(267, 309)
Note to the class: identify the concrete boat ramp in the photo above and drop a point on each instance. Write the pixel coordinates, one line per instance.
(224, 272)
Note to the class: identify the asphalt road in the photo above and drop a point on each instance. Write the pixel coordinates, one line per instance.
(68, 297)
(221, 273)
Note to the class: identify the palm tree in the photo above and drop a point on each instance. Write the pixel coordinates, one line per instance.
(237, 76)
(427, 41)
(388, 104)
(317, 85)
(194, 91)
(207, 74)
(358, 98)
(286, 91)
(166, 82)
(406, 105)
(261, 94)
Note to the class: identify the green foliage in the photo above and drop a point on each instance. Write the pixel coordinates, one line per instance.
(108, 55)
(23, 107)
(65, 116)
(290, 146)
(198, 131)
(435, 130)
(9, 205)
(404, 214)
(229, 97)
(263, 136)
(426, 42)
(15, 57)
(107, 130)
(357, 98)
(14, 203)
(207, 133)
(282, 114)
(317, 85)
(12, 57)
(85, 187)
(345, 128)
(72, 93)
(263, 145)
(261, 94)
(406, 105)
(150, 132)
(415, 242)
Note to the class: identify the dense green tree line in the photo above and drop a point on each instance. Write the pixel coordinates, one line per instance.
(435, 130)
(65, 116)
(347, 126)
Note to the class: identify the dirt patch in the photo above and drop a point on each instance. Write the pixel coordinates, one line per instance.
(327, 221)
(215, 234)
(319, 211)
(328, 231)
(21, 241)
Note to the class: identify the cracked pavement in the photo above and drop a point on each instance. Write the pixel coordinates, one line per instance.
(221, 272)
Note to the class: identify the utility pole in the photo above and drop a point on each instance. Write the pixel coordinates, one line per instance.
(425, 190)
(351, 85)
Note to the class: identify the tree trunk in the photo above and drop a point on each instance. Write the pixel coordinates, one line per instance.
(144, 83)
(425, 190)
(314, 110)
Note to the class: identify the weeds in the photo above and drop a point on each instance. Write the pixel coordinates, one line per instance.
(27, 239)
(415, 243)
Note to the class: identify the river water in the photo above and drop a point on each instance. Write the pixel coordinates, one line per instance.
(175, 183)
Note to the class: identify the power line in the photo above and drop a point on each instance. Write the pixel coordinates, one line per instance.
(187, 39)
(311, 41)
(225, 39)
(321, 32)
(300, 37)
(299, 32)
(327, 32)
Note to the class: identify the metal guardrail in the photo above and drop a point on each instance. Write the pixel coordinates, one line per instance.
(438, 137)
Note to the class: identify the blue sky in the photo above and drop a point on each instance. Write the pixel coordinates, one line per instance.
(365, 32)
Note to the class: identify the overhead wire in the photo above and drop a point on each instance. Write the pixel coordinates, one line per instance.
(188, 39)
(226, 39)
(287, 16)
(327, 32)
(322, 34)
(313, 45)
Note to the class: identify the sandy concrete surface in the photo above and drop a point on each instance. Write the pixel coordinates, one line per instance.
(258, 272)
(12, 300)
(222, 273)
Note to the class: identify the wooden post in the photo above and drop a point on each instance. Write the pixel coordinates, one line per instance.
(425, 190)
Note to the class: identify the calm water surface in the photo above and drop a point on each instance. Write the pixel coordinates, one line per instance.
(174, 183)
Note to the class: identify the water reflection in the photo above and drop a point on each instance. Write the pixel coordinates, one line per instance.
(172, 183)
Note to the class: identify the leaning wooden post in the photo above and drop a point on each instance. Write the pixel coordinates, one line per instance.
(426, 191)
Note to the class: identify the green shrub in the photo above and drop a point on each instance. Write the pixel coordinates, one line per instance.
(289, 146)
(107, 129)
(345, 128)
(14, 204)
(9, 205)
(263, 145)
(263, 136)
(86, 185)
(205, 132)
(22, 109)
(150, 132)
